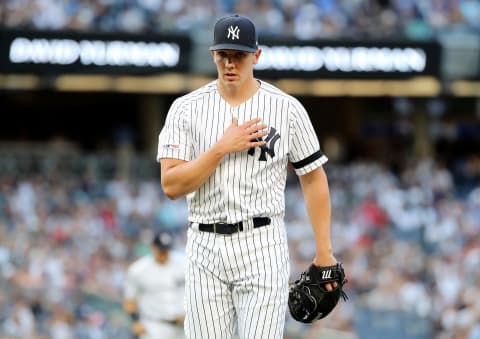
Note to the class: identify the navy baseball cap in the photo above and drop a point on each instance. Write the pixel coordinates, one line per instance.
(235, 32)
(162, 240)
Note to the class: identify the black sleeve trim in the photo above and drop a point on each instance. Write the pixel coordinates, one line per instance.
(308, 160)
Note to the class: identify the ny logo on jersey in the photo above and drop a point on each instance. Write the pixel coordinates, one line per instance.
(233, 32)
(269, 147)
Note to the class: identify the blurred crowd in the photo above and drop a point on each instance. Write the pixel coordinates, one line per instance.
(302, 19)
(407, 240)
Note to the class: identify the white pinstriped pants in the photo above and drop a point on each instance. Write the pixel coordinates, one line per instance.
(237, 285)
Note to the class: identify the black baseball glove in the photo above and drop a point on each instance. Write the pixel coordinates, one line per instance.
(309, 300)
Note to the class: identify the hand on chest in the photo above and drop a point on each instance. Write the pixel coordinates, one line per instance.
(207, 133)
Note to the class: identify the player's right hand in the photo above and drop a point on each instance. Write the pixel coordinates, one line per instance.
(180, 320)
(138, 329)
(238, 138)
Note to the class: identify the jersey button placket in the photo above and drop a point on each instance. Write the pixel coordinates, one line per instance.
(226, 194)
(232, 181)
(226, 174)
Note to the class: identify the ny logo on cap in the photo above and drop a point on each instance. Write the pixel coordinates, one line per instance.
(233, 33)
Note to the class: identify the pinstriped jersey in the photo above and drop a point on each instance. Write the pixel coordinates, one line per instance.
(250, 183)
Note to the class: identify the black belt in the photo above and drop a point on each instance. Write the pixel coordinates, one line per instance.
(224, 228)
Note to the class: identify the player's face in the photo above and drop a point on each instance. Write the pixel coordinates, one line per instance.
(234, 67)
(160, 255)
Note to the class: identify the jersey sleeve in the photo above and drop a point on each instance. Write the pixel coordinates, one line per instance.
(174, 140)
(305, 153)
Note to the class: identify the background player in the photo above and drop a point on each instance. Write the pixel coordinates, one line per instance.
(226, 146)
(154, 289)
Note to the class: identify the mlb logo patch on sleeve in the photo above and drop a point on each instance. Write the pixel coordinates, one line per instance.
(172, 146)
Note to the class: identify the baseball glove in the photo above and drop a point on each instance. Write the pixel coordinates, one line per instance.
(309, 300)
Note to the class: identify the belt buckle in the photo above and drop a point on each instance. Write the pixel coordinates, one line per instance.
(215, 224)
(229, 229)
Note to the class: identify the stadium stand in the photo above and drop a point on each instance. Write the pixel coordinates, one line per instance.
(67, 239)
(300, 19)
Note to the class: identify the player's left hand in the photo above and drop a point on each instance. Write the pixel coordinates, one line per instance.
(325, 261)
(309, 300)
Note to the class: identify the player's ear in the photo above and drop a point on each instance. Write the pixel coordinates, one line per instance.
(256, 55)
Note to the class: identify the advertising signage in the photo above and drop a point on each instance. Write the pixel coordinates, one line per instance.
(340, 59)
(73, 52)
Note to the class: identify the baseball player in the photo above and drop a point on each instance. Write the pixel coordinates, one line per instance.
(153, 293)
(226, 147)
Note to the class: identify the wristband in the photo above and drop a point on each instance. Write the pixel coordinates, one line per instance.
(134, 316)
